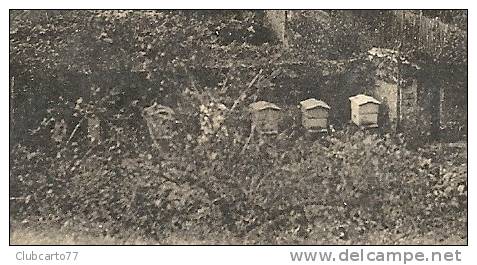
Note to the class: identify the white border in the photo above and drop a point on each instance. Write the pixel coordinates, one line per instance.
(221, 254)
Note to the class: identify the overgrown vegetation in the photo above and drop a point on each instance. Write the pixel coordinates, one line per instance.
(213, 181)
(340, 188)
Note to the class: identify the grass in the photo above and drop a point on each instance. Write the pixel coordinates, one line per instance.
(48, 235)
(51, 234)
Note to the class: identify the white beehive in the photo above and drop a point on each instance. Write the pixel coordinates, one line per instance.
(364, 111)
(314, 115)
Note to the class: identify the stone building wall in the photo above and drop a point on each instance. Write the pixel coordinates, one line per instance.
(387, 93)
(407, 105)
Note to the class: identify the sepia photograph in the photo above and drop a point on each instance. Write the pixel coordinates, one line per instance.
(335, 127)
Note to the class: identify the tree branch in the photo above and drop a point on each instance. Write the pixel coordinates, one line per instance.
(244, 93)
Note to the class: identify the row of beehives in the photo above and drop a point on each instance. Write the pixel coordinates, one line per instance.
(315, 113)
(265, 116)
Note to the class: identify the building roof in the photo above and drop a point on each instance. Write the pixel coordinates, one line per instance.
(312, 103)
(261, 105)
(361, 99)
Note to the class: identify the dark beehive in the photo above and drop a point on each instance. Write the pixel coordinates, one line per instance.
(160, 121)
(265, 117)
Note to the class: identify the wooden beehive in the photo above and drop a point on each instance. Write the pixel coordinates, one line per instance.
(265, 117)
(314, 115)
(160, 121)
(364, 111)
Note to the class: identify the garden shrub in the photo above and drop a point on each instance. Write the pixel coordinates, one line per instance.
(340, 187)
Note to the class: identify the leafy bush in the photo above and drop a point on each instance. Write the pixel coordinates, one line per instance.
(343, 187)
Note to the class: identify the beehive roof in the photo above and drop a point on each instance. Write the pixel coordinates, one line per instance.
(261, 105)
(312, 103)
(158, 108)
(363, 99)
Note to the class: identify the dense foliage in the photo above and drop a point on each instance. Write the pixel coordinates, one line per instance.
(213, 180)
(346, 188)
